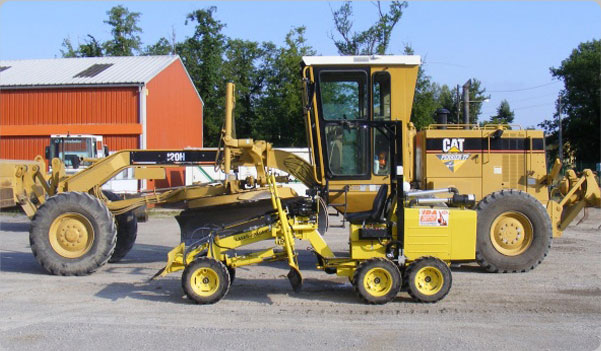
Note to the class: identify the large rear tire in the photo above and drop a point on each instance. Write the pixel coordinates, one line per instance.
(127, 230)
(72, 233)
(514, 232)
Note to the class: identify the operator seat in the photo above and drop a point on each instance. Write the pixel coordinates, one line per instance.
(376, 214)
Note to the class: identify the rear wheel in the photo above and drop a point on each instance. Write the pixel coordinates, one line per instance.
(72, 233)
(206, 280)
(428, 279)
(514, 232)
(377, 281)
(127, 230)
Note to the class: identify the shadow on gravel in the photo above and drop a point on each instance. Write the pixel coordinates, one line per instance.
(143, 253)
(14, 227)
(20, 262)
(251, 290)
(469, 268)
(165, 290)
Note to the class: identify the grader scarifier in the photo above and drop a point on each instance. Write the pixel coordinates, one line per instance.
(362, 147)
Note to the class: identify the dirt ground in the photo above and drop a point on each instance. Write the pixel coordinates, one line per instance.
(557, 306)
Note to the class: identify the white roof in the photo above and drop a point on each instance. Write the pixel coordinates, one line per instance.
(63, 71)
(410, 60)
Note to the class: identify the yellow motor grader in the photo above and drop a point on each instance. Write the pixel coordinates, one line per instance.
(76, 227)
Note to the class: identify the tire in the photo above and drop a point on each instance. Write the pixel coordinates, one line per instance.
(232, 273)
(377, 281)
(206, 280)
(428, 279)
(127, 230)
(72, 233)
(514, 232)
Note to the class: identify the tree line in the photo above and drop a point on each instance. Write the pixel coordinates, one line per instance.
(268, 83)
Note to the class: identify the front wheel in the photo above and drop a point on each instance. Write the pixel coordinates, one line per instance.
(206, 280)
(377, 281)
(72, 233)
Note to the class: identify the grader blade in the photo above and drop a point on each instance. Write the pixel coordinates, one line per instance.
(236, 217)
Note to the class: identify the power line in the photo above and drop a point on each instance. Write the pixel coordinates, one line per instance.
(517, 108)
(533, 98)
(524, 89)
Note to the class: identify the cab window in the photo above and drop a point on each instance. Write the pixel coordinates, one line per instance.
(381, 111)
(346, 148)
(344, 95)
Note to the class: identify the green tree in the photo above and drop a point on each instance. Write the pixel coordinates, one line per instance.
(280, 109)
(124, 28)
(202, 54)
(125, 41)
(477, 96)
(243, 68)
(580, 105)
(427, 98)
(504, 114)
(161, 47)
(90, 48)
(375, 39)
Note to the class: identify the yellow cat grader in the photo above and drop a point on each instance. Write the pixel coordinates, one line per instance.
(351, 106)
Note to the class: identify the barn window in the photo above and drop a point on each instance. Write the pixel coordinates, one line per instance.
(93, 70)
(4, 68)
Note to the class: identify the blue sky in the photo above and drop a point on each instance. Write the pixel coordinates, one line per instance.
(507, 45)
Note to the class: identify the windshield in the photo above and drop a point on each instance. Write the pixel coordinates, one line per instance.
(344, 95)
(67, 149)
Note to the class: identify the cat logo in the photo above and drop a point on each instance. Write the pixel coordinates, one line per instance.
(453, 156)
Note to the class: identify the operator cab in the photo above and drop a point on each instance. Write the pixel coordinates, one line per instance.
(71, 149)
(339, 92)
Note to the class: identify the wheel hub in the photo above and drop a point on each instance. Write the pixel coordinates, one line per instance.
(71, 235)
(511, 233)
(205, 281)
(377, 282)
(429, 280)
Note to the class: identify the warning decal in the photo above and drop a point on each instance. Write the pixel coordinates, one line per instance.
(433, 218)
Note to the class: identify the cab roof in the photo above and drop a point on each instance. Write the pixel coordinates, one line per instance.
(405, 60)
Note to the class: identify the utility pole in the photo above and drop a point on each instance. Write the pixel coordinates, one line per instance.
(466, 101)
(560, 132)
(458, 106)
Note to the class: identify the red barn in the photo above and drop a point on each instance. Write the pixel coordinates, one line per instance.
(142, 102)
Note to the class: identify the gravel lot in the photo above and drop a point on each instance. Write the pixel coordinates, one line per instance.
(555, 307)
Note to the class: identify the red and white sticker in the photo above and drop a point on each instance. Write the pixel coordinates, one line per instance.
(433, 218)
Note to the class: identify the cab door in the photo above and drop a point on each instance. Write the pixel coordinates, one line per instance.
(343, 97)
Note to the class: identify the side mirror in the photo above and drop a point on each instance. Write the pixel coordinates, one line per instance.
(106, 151)
(47, 152)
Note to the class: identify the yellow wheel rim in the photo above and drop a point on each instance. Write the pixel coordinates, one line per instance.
(429, 280)
(377, 282)
(511, 233)
(204, 281)
(71, 235)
